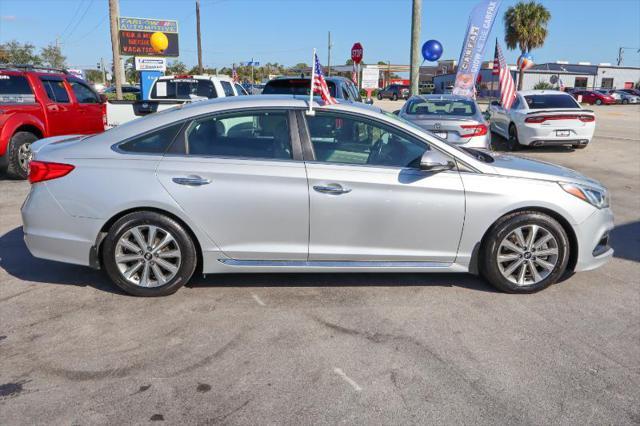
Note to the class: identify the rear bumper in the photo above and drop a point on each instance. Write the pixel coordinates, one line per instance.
(51, 233)
(538, 135)
(593, 240)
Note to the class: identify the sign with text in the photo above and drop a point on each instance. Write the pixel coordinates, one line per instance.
(150, 64)
(370, 78)
(135, 34)
(357, 52)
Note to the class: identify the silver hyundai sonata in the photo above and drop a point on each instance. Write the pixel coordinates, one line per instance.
(256, 184)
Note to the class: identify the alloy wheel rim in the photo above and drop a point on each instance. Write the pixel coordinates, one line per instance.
(527, 255)
(24, 155)
(148, 256)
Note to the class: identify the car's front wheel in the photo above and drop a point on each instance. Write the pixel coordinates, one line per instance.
(625, 101)
(379, 96)
(148, 254)
(598, 102)
(525, 252)
(394, 97)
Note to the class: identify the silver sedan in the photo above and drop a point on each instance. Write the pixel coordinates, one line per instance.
(257, 184)
(456, 119)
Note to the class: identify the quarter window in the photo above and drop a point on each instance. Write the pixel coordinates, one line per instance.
(156, 142)
(250, 135)
(227, 88)
(343, 139)
(55, 90)
(83, 93)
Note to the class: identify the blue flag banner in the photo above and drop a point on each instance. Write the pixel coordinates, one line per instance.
(480, 24)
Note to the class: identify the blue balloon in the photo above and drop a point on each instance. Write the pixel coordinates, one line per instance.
(431, 50)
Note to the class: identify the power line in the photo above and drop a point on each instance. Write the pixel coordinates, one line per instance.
(72, 18)
(80, 20)
(79, 39)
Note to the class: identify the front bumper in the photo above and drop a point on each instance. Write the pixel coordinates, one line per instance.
(593, 240)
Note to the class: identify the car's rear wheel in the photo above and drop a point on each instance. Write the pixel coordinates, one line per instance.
(148, 254)
(394, 97)
(513, 143)
(19, 154)
(525, 252)
(625, 101)
(379, 96)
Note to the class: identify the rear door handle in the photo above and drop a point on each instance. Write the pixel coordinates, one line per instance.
(332, 188)
(191, 180)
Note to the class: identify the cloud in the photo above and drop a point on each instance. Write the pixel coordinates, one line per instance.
(8, 18)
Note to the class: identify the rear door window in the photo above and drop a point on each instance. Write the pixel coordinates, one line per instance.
(227, 88)
(55, 90)
(183, 88)
(15, 89)
(83, 93)
(155, 142)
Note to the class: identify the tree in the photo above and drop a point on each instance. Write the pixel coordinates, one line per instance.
(176, 67)
(525, 26)
(52, 56)
(93, 76)
(17, 53)
(542, 85)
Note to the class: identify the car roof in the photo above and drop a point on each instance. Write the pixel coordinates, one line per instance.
(541, 92)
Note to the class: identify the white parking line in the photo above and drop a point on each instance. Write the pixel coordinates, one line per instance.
(258, 300)
(347, 379)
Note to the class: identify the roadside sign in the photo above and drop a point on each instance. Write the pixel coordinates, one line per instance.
(370, 78)
(135, 35)
(356, 53)
(150, 64)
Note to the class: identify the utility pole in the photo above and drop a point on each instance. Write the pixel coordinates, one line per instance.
(201, 70)
(114, 14)
(104, 71)
(329, 56)
(416, 19)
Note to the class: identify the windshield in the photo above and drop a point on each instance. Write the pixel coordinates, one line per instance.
(183, 88)
(459, 107)
(299, 86)
(550, 101)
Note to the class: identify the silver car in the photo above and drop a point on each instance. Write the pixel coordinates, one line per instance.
(456, 119)
(256, 184)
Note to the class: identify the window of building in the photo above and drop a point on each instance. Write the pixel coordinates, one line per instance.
(581, 82)
(606, 83)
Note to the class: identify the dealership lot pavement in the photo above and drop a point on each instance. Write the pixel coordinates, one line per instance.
(360, 348)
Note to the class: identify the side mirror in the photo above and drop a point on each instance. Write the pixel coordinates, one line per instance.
(396, 112)
(434, 161)
(103, 98)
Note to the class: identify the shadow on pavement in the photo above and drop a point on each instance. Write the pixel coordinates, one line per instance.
(19, 263)
(499, 144)
(625, 240)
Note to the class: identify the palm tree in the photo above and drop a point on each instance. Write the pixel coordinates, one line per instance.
(525, 26)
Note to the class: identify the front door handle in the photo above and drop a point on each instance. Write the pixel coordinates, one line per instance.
(191, 180)
(332, 188)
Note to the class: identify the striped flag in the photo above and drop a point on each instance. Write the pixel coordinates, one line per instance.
(234, 74)
(354, 74)
(507, 85)
(319, 85)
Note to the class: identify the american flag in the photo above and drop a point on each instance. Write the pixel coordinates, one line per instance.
(234, 74)
(354, 74)
(507, 85)
(319, 85)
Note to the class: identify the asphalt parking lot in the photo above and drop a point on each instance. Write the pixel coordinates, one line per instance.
(333, 348)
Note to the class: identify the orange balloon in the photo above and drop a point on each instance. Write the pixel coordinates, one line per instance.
(159, 42)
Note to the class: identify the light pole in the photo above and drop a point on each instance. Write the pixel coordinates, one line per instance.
(416, 17)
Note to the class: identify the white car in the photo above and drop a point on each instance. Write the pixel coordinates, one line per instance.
(169, 91)
(543, 118)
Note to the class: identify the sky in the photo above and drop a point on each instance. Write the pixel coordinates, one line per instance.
(286, 31)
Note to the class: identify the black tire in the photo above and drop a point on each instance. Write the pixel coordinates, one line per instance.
(491, 244)
(598, 102)
(182, 239)
(625, 101)
(394, 97)
(379, 96)
(579, 146)
(16, 167)
(513, 143)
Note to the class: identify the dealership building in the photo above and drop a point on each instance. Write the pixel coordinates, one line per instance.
(580, 75)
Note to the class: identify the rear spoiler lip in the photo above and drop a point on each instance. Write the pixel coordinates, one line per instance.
(562, 111)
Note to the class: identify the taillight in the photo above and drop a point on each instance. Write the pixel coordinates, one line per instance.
(476, 130)
(539, 119)
(542, 118)
(40, 171)
(587, 118)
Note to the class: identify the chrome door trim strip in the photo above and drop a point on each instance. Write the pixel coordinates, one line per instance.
(334, 263)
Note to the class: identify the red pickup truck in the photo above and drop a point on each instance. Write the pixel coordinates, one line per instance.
(37, 103)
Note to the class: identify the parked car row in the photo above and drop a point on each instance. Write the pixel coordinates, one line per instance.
(607, 96)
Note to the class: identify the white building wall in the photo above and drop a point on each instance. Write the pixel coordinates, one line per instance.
(531, 78)
(620, 76)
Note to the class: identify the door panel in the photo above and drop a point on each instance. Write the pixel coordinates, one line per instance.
(253, 208)
(388, 214)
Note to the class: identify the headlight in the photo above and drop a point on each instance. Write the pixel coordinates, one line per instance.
(596, 197)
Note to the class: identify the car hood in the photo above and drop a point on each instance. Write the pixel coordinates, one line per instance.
(512, 165)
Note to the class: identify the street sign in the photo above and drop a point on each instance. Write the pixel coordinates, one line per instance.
(135, 35)
(370, 78)
(150, 64)
(356, 53)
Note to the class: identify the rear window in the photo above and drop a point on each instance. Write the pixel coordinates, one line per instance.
(15, 89)
(183, 88)
(293, 87)
(228, 88)
(550, 101)
(441, 107)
